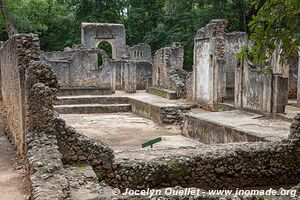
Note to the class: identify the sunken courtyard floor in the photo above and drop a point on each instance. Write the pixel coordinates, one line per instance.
(124, 131)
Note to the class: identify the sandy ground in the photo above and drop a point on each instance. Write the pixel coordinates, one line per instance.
(126, 130)
(14, 184)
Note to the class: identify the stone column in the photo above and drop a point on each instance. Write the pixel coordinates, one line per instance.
(130, 76)
(113, 78)
(280, 93)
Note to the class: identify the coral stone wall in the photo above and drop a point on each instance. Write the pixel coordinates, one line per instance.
(219, 166)
(79, 68)
(168, 70)
(15, 56)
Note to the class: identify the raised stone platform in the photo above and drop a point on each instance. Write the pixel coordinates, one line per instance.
(233, 126)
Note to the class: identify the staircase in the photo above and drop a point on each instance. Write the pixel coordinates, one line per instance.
(91, 104)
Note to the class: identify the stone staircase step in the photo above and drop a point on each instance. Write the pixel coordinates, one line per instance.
(84, 91)
(70, 100)
(92, 108)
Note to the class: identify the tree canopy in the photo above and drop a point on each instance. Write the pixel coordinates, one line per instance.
(157, 22)
(276, 25)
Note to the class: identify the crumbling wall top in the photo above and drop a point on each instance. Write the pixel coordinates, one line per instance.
(215, 28)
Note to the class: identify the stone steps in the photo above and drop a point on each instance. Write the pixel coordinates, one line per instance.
(92, 108)
(84, 91)
(70, 100)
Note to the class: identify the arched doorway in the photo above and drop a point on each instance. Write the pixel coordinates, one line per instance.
(106, 46)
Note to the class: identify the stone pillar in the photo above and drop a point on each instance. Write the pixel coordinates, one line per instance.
(113, 78)
(238, 84)
(130, 76)
(280, 93)
(267, 93)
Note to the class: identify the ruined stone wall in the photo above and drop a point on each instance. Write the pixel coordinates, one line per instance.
(79, 68)
(293, 77)
(15, 56)
(209, 63)
(189, 85)
(261, 92)
(216, 167)
(50, 141)
(234, 43)
(94, 33)
(143, 75)
(129, 76)
(140, 52)
(168, 70)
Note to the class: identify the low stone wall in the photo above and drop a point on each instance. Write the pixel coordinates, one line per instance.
(47, 174)
(226, 166)
(209, 132)
(42, 86)
(168, 94)
(161, 115)
(216, 167)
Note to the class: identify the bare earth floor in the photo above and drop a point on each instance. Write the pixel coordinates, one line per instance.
(127, 130)
(14, 184)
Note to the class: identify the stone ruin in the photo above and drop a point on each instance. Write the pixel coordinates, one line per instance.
(230, 79)
(77, 68)
(168, 74)
(31, 81)
(226, 79)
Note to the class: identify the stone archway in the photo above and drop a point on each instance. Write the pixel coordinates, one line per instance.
(107, 47)
(92, 34)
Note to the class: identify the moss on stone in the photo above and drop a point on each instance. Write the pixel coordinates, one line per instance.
(80, 167)
(202, 133)
(45, 167)
(220, 107)
(157, 92)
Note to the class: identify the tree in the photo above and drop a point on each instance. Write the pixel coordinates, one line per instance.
(11, 30)
(277, 23)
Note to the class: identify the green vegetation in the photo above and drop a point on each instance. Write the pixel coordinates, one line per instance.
(201, 134)
(277, 23)
(80, 167)
(158, 22)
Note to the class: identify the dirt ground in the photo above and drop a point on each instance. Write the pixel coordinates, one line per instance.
(127, 130)
(13, 181)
